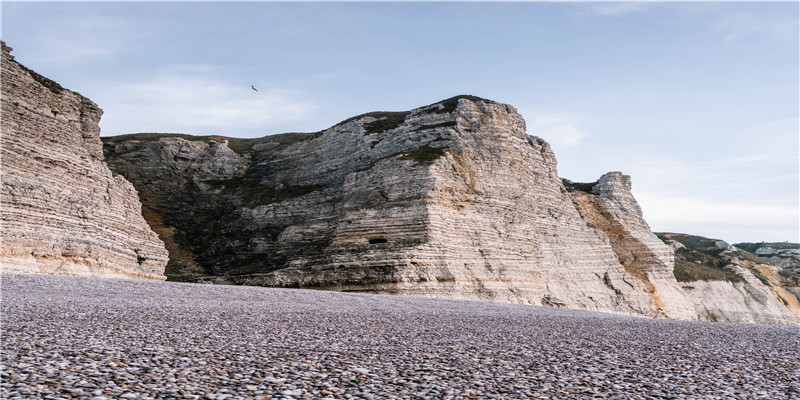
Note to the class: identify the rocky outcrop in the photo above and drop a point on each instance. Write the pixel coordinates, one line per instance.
(63, 211)
(785, 255)
(608, 205)
(725, 283)
(449, 200)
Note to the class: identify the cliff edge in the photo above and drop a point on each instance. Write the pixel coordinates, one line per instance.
(63, 211)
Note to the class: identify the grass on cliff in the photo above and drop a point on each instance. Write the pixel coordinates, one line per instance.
(689, 271)
(423, 154)
(578, 186)
(700, 260)
(255, 193)
(385, 121)
(752, 247)
(240, 145)
(451, 103)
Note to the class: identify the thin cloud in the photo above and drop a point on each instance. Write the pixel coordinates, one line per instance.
(613, 9)
(698, 216)
(560, 130)
(745, 25)
(82, 43)
(202, 105)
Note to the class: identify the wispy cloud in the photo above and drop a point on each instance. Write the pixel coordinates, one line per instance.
(701, 216)
(559, 129)
(613, 9)
(740, 26)
(196, 104)
(86, 39)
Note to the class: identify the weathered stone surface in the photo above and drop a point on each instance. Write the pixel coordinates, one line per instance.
(787, 258)
(610, 206)
(63, 211)
(730, 284)
(450, 200)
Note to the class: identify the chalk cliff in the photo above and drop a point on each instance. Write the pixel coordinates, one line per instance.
(449, 200)
(63, 211)
(730, 284)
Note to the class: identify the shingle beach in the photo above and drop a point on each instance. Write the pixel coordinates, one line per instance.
(91, 338)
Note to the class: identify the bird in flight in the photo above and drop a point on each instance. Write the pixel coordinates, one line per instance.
(253, 87)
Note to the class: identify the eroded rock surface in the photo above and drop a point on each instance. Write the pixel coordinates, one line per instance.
(725, 283)
(449, 200)
(63, 211)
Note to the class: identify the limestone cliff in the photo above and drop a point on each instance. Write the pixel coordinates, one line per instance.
(449, 200)
(725, 283)
(63, 211)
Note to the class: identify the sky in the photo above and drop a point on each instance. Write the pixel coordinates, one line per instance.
(698, 102)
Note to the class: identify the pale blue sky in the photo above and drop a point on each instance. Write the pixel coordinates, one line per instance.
(697, 101)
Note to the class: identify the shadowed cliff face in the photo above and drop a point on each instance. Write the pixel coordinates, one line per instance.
(63, 211)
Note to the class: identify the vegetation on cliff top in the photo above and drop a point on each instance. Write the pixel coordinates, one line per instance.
(578, 186)
(700, 260)
(239, 145)
(752, 247)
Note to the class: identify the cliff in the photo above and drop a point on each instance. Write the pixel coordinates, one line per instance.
(449, 200)
(726, 283)
(785, 255)
(63, 211)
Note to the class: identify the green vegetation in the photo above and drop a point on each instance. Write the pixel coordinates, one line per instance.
(385, 121)
(692, 242)
(255, 193)
(446, 124)
(746, 255)
(578, 186)
(688, 271)
(451, 103)
(240, 145)
(752, 247)
(700, 260)
(423, 154)
(792, 277)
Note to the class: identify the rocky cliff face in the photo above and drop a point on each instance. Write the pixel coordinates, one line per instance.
(63, 211)
(729, 284)
(785, 255)
(449, 200)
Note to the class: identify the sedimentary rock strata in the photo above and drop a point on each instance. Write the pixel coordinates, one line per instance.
(63, 211)
(449, 200)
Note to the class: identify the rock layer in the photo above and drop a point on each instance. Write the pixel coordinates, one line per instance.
(449, 200)
(63, 211)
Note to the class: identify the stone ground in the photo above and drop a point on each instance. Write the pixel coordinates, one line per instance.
(66, 337)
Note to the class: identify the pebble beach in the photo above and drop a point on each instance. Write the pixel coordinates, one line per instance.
(93, 338)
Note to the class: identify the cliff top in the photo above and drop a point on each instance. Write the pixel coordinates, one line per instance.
(382, 121)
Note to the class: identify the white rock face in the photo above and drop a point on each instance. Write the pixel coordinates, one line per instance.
(450, 200)
(786, 258)
(63, 211)
(749, 301)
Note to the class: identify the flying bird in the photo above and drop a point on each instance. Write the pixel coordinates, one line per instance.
(253, 87)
